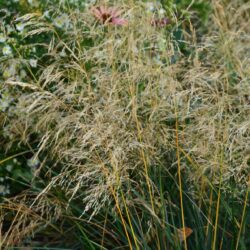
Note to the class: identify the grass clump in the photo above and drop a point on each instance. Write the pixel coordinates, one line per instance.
(136, 132)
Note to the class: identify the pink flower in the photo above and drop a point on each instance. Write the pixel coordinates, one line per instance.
(109, 15)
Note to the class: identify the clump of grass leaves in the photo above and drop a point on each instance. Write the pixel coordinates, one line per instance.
(138, 136)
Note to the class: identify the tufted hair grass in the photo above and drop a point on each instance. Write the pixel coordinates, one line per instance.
(142, 132)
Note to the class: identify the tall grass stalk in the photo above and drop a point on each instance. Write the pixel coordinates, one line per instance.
(242, 219)
(179, 179)
(218, 204)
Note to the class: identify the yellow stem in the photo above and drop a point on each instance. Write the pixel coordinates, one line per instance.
(180, 184)
(129, 220)
(242, 219)
(218, 204)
